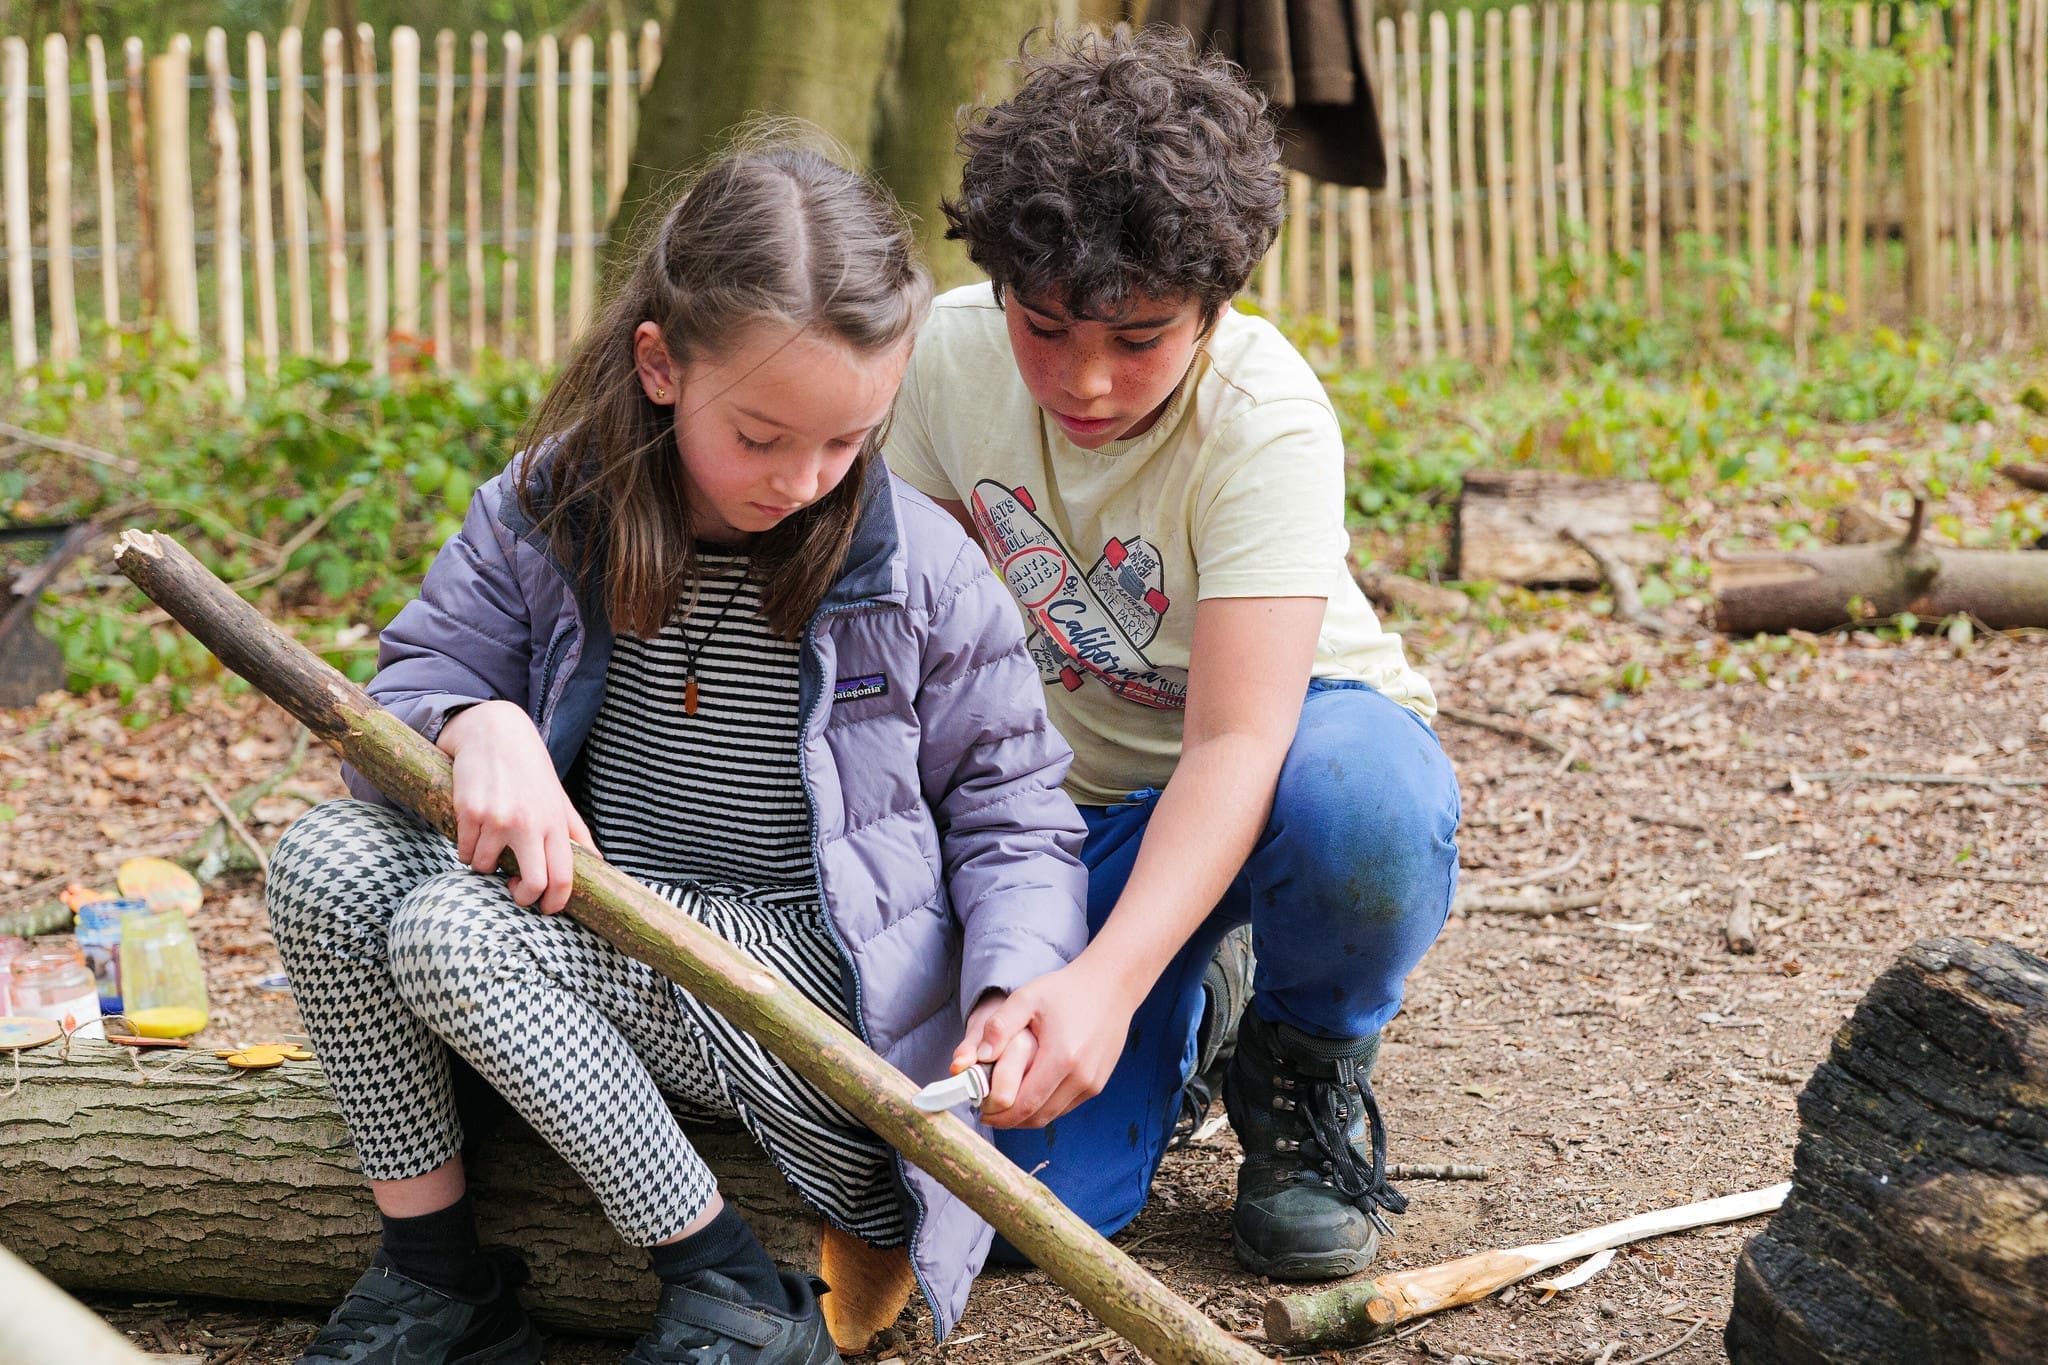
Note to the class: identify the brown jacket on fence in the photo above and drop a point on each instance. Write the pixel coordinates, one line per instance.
(1312, 59)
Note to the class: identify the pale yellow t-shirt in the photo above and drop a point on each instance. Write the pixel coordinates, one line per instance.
(1237, 491)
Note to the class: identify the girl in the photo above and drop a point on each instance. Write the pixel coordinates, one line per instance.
(698, 627)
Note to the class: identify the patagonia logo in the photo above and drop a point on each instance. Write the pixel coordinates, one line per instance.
(855, 689)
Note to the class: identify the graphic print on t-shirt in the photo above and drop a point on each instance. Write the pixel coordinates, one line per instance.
(1094, 625)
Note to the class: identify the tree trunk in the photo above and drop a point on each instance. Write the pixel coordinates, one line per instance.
(1823, 588)
(1510, 524)
(1917, 1227)
(244, 1185)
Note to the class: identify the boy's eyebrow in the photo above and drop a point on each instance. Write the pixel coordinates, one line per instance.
(1125, 325)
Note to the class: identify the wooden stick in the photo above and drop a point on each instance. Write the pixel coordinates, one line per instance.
(1730, 138)
(333, 203)
(1859, 158)
(227, 210)
(1753, 155)
(2038, 138)
(1809, 185)
(370, 164)
(137, 70)
(405, 183)
(1961, 197)
(473, 189)
(1672, 78)
(508, 200)
(582, 186)
(1621, 581)
(21, 277)
(170, 105)
(1270, 290)
(1740, 931)
(1786, 188)
(1355, 1313)
(291, 142)
(412, 771)
(1299, 193)
(1332, 260)
(103, 168)
(1469, 203)
(547, 208)
(2007, 167)
(1433, 1170)
(1440, 187)
(1653, 194)
(1980, 149)
(1521, 66)
(1412, 130)
(45, 1323)
(1703, 126)
(57, 198)
(1620, 31)
(1886, 216)
(442, 181)
(1364, 338)
(618, 122)
(1499, 254)
(1512, 729)
(1922, 248)
(650, 52)
(1831, 157)
(1391, 119)
(1546, 129)
(1596, 146)
(1574, 168)
(265, 261)
(236, 827)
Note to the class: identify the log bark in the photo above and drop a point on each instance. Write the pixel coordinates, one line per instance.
(1821, 589)
(244, 1185)
(1917, 1227)
(409, 770)
(1510, 521)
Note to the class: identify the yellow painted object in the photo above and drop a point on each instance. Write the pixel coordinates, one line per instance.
(159, 883)
(168, 1021)
(262, 1056)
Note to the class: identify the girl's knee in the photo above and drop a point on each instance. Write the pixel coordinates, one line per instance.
(317, 867)
(446, 933)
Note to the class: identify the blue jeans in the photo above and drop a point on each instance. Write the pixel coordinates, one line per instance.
(1345, 890)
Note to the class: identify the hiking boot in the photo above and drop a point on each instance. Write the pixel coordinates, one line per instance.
(707, 1320)
(388, 1319)
(1226, 994)
(1313, 1182)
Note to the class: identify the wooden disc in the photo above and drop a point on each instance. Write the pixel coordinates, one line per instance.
(18, 1033)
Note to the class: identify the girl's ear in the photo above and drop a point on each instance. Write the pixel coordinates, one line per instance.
(660, 376)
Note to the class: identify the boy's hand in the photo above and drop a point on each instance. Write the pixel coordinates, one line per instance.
(508, 797)
(1052, 1044)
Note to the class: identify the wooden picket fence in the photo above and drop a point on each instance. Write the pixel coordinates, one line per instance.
(1631, 145)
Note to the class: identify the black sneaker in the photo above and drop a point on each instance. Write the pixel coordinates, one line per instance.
(388, 1319)
(1226, 993)
(707, 1320)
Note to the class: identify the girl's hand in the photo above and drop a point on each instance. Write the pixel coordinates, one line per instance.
(1052, 1043)
(508, 797)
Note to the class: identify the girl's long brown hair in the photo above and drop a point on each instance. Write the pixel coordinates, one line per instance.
(771, 232)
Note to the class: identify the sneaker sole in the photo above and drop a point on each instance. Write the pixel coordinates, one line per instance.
(523, 1349)
(1304, 1265)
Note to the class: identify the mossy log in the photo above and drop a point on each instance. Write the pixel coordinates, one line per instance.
(244, 1185)
(1916, 1231)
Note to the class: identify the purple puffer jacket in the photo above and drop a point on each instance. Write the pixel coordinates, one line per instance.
(946, 851)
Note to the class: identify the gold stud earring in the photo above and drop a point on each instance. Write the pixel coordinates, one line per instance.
(661, 395)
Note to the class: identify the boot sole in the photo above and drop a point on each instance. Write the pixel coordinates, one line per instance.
(1304, 1265)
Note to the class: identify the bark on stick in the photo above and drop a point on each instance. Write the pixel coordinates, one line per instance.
(1823, 588)
(409, 770)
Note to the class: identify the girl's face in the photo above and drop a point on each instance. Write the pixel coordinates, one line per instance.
(770, 425)
(1103, 381)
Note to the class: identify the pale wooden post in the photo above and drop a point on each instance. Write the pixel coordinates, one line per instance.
(405, 183)
(1364, 339)
(333, 201)
(2038, 83)
(547, 210)
(1671, 76)
(508, 199)
(2007, 166)
(170, 101)
(1961, 200)
(103, 167)
(1596, 146)
(21, 276)
(1730, 139)
(438, 206)
(618, 121)
(227, 214)
(582, 185)
(1653, 194)
(1831, 157)
(1440, 188)
(1270, 284)
(259, 203)
(1298, 221)
(1921, 247)
(1980, 151)
(1859, 159)
(1391, 120)
(1753, 155)
(1574, 166)
(291, 169)
(1622, 32)
(57, 200)
(1469, 202)
(650, 52)
(1879, 103)
(473, 190)
(376, 237)
(1809, 186)
(1786, 187)
(1333, 264)
(1497, 192)
(1703, 130)
(137, 71)
(1546, 128)
(1522, 38)
(1412, 131)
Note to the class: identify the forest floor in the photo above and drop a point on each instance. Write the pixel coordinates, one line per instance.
(1600, 1063)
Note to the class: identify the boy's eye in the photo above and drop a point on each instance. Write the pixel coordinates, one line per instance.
(1130, 344)
(1043, 333)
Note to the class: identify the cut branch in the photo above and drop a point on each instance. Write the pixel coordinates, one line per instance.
(408, 769)
(1621, 581)
(1827, 587)
(2033, 476)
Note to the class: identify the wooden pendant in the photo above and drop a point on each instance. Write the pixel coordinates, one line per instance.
(690, 695)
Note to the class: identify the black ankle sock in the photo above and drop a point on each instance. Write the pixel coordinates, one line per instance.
(727, 1245)
(439, 1250)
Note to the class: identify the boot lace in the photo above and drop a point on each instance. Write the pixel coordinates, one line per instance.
(355, 1323)
(1326, 1113)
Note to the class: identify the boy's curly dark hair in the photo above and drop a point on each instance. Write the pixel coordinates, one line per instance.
(1126, 165)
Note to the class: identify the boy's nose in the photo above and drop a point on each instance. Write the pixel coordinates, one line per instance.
(1090, 379)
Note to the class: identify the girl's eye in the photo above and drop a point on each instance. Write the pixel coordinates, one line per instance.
(751, 444)
(1147, 344)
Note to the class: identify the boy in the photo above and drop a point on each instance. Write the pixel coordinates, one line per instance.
(1160, 480)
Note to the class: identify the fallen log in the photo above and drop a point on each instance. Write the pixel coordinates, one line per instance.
(1917, 1226)
(1822, 588)
(2031, 476)
(244, 1185)
(408, 769)
(1509, 522)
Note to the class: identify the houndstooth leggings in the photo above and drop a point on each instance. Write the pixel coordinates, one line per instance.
(395, 948)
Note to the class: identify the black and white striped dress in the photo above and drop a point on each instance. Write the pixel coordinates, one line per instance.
(710, 810)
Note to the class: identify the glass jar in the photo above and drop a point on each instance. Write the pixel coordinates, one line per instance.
(10, 948)
(163, 986)
(54, 983)
(99, 938)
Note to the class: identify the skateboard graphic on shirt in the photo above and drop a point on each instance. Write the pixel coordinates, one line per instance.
(1093, 625)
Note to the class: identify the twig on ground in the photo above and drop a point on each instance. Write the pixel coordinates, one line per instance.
(299, 541)
(1511, 729)
(1740, 931)
(1970, 874)
(235, 826)
(1621, 581)
(1426, 1170)
(1071, 1348)
(1548, 874)
(33, 891)
(1694, 1331)
(1675, 821)
(1621, 940)
(1483, 903)
(1922, 779)
(75, 449)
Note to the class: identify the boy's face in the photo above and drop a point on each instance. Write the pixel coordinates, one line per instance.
(1103, 381)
